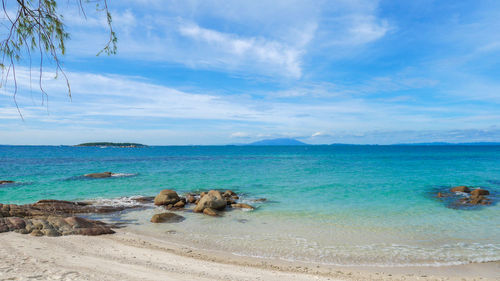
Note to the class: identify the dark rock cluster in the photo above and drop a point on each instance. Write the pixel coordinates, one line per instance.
(54, 218)
(460, 196)
(210, 203)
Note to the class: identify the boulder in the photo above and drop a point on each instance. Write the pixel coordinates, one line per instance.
(99, 175)
(460, 189)
(228, 193)
(210, 212)
(180, 204)
(213, 199)
(166, 217)
(242, 205)
(166, 197)
(88, 227)
(6, 182)
(479, 191)
(479, 200)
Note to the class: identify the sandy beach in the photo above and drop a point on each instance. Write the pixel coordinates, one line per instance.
(132, 256)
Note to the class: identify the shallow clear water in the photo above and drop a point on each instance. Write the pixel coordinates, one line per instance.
(332, 204)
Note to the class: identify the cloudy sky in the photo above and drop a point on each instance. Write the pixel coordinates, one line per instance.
(220, 72)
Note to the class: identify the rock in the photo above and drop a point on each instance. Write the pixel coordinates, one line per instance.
(260, 200)
(99, 175)
(210, 212)
(56, 207)
(166, 217)
(230, 201)
(242, 205)
(439, 195)
(54, 226)
(37, 232)
(83, 226)
(460, 189)
(479, 191)
(479, 200)
(235, 197)
(6, 182)
(213, 199)
(144, 199)
(180, 204)
(50, 232)
(11, 224)
(166, 197)
(190, 199)
(228, 193)
(203, 194)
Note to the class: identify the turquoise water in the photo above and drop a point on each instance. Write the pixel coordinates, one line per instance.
(370, 205)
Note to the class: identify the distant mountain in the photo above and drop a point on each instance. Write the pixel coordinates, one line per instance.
(111, 144)
(281, 141)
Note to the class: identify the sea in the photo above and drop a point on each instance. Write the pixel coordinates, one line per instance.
(346, 205)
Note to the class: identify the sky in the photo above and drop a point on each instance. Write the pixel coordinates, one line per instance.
(223, 72)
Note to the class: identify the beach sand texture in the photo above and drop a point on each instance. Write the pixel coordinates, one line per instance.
(132, 256)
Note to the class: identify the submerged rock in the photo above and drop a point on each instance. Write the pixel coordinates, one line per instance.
(144, 199)
(457, 199)
(460, 189)
(242, 206)
(479, 200)
(166, 197)
(6, 182)
(166, 217)
(479, 191)
(99, 175)
(213, 199)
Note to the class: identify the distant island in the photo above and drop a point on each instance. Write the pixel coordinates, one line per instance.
(112, 144)
(280, 141)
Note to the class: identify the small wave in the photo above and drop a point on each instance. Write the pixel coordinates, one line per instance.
(119, 175)
(126, 201)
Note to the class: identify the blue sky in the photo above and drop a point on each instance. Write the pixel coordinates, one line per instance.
(219, 72)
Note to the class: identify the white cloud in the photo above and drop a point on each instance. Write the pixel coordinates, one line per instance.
(365, 29)
(254, 38)
(247, 49)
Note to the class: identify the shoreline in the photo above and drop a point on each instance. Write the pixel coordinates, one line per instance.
(131, 255)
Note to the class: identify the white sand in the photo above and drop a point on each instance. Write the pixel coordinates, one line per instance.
(133, 256)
